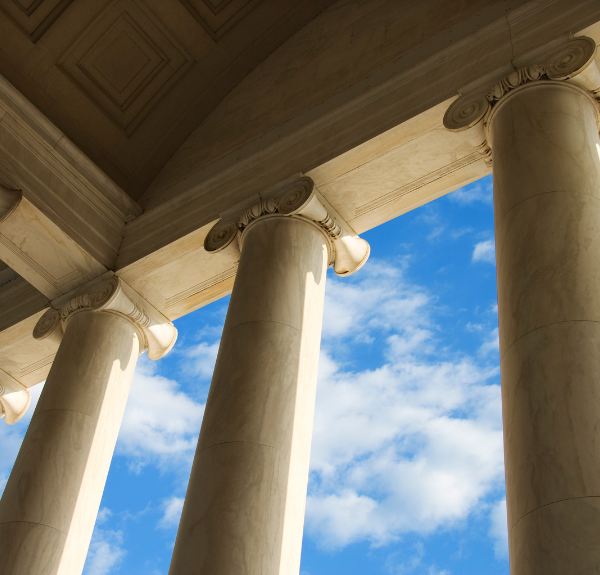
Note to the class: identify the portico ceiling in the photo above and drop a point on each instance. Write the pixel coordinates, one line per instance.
(194, 107)
(128, 80)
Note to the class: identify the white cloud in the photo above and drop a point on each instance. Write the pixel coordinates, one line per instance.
(161, 422)
(103, 515)
(352, 310)
(396, 564)
(201, 359)
(410, 446)
(172, 512)
(106, 549)
(499, 529)
(480, 191)
(105, 554)
(484, 252)
(492, 344)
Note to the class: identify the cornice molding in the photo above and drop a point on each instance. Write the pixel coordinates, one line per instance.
(157, 335)
(347, 252)
(573, 61)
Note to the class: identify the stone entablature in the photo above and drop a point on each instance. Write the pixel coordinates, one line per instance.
(573, 61)
(347, 252)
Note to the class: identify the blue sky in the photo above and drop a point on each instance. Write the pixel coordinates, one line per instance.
(407, 473)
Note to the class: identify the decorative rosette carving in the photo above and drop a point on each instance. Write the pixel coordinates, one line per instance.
(49, 326)
(296, 197)
(223, 237)
(465, 112)
(570, 59)
(573, 61)
(348, 252)
(157, 335)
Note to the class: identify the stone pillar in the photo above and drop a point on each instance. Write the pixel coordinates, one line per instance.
(543, 134)
(50, 503)
(244, 509)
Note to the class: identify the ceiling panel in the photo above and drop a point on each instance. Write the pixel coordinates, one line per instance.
(128, 80)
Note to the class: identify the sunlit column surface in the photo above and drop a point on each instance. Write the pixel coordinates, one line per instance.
(543, 134)
(244, 508)
(547, 213)
(51, 500)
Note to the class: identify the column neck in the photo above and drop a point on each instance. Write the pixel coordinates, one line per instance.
(156, 333)
(572, 63)
(347, 252)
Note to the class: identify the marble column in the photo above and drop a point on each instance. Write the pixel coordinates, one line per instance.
(244, 508)
(543, 135)
(50, 503)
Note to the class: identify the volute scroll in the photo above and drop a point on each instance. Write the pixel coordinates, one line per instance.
(573, 62)
(348, 251)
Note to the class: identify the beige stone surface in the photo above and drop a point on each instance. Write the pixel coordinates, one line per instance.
(235, 524)
(549, 228)
(244, 509)
(127, 80)
(58, 478)
(40, 252)
(559, 538)
(182, 276)
(563, 132)
(544, 139)
(551, 400)
(22, 357)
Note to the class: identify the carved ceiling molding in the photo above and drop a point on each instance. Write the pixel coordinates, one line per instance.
(573, 61)
(59, 180)
(348, 253)
(34, 18)
(156, 333)
(126, 61)
(219, 17)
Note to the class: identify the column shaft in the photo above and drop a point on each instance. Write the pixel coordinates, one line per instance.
(51, 500)
(244, 509)
(547, 215)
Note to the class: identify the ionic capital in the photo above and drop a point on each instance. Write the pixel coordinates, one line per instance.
(156, 334)
(573, 61)
(347, 252)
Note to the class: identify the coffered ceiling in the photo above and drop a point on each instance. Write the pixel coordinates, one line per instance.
(129, 80)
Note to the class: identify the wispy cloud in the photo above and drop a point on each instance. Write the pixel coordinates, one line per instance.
(499, 529)
(201, 358)
(106, 549)
(485, 252)
(411, 445)
(480, 191)
(161, 422)
(172, 512)
(491, 344)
